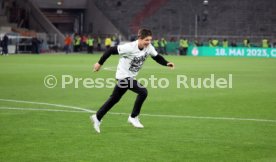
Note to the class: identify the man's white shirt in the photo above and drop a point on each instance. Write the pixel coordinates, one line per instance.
(132, 59)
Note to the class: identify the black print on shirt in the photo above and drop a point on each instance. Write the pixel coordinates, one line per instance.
(137, 63)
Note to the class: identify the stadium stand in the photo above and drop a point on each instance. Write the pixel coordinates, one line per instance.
(233, 20)
(178, 17)
(121, 14)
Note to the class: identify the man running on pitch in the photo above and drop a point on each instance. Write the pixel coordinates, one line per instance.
(132, 56)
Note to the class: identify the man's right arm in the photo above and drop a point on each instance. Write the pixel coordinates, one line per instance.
(105, 56)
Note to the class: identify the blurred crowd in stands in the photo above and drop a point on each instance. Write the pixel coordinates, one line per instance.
(88, 43)
(184, 44)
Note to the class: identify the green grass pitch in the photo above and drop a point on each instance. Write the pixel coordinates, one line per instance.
(195, 124)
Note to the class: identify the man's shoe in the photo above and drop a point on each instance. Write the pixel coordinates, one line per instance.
(96, 123)
(135, 122)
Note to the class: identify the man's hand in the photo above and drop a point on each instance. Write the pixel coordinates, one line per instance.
(171, 65)
(97, 67)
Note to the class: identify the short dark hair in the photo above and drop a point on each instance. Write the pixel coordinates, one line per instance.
(143, 33)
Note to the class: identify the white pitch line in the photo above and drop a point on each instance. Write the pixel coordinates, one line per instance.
(213, 118)
(118, 113)
(39, 109)
(109, 69)
(114, 68)
(48, 104)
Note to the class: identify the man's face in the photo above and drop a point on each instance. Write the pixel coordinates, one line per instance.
(145, 42)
